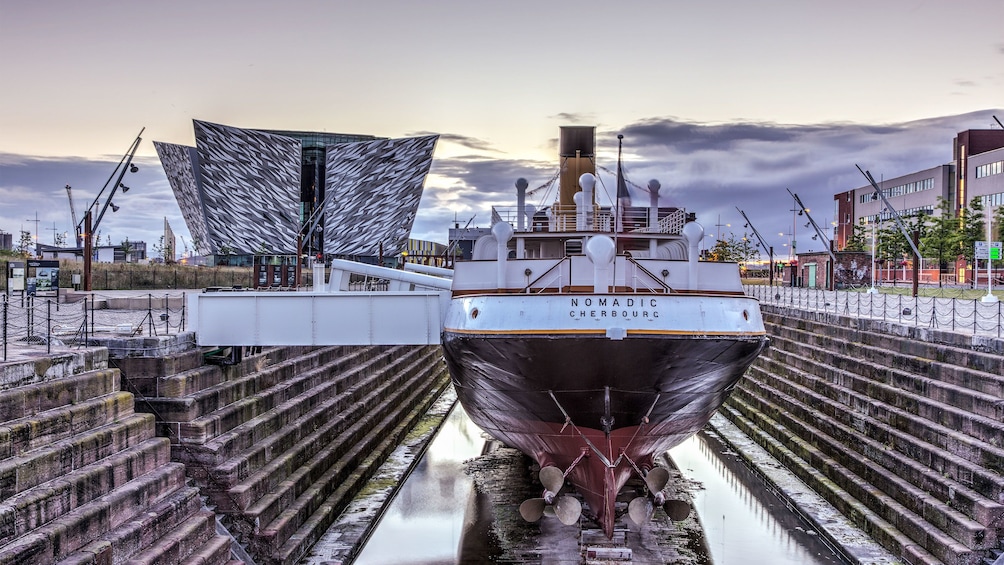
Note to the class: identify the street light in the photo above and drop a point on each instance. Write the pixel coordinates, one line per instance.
(89, 227)
(767, 248)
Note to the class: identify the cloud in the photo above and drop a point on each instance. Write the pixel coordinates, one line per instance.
(461, 140)
(709, 169)
(35, 185)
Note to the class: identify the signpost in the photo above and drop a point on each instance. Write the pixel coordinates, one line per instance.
(990, 251)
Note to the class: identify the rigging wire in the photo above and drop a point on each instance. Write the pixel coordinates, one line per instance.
(627, 180)
(548, 185)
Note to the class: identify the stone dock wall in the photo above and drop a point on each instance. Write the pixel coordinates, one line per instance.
(900, 428)
(132, 453)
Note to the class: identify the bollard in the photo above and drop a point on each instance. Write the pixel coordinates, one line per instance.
(31, 317)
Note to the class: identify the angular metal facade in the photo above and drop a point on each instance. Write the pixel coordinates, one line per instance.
(181, 163)
(373, 192)
(250, 187)
(240, 189)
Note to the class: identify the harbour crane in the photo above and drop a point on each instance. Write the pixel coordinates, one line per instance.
(73, 215)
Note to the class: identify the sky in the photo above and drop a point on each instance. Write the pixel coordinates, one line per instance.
(727, 103)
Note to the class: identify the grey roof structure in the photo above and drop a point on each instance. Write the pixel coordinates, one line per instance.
(240, 189)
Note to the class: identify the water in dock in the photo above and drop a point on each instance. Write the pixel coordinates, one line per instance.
(436, 519)
(743, 520)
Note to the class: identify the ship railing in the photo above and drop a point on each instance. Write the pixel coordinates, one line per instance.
(554, 281)
(660, 285)
(601, 219)
(670, 223)
(366, 283)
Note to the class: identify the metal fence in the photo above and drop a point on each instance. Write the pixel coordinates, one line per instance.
(36, 323)
(952, 314)
(153, 277)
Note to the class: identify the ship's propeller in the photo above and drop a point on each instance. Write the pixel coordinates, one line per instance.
(567, 509)
(677, 510)
(657, 479)
(641, 510)
(532, 509)
(552, 478)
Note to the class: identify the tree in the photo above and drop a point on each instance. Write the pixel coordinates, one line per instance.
(999, 222)
(227, 250)
(26, 245)
(127, 249)
(942, 237)
(733, 250)
(164, 250)
(893, 245)
(60, 239)
(858, 239)
(972, 228)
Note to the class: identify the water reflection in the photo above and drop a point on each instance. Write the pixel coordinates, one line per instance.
(743, 521)
(425, 521)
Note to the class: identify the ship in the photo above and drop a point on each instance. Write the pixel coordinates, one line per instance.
(594, 338)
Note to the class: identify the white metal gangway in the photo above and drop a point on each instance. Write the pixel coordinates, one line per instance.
(409, 312)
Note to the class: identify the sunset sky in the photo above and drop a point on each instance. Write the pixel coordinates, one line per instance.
(727, 103)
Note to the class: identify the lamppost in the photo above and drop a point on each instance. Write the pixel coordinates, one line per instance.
(90, 224)
(768, 248)
(873, 290)
(831, 267)
(794, 223)
(899, 223)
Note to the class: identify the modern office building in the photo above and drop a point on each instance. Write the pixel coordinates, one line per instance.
(968, 151)
(424, 252)
(244, 192)
(985, 177)
(977, 170)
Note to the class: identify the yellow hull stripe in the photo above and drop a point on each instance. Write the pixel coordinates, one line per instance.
(601, 332)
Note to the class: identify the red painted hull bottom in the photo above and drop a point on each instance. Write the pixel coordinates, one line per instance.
(553, 398)
(600, 481)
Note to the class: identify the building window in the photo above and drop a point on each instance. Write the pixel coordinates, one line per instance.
(995, 168)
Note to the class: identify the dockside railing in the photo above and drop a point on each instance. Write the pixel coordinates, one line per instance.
(959, 315)
(35, 323)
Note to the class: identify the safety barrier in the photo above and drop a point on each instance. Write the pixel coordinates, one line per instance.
(953, 314)
(33, 322)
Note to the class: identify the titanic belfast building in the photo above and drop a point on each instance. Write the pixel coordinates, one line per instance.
(246, 191)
